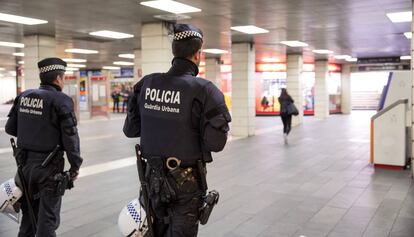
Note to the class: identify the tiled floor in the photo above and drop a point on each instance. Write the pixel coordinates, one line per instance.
(318, 185)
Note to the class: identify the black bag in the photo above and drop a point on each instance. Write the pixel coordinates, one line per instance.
(291, 109)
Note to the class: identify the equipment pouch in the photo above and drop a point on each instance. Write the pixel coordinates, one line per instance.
(63, 182)
(210, 200)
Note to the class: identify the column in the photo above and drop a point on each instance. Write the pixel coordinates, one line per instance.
(213, 71)
(321, 89)
(137, 65)
(155, 48)
(294, 84)
(412, 98)
(243, 89)
(37, 47)
(346, 105)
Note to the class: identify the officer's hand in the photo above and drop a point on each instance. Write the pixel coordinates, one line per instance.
(74, 175)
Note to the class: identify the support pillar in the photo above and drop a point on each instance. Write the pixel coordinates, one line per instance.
(37, 47)
(155, 48)
(321, 89)
(346, 105)
(213, 71)
(137, 65)
(243, 89)
(412, 97)
(294, 84)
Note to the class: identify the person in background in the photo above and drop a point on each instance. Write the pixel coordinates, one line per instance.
(284, 100)
(126, 94)
(115, 98)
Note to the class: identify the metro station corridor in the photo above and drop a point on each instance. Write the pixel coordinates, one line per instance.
(320, 184)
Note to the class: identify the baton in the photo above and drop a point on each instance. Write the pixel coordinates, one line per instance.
(50, 156)
(24, 187)
(144, 189)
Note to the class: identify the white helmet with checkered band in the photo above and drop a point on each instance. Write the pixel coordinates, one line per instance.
(132, 220)
(9, 194)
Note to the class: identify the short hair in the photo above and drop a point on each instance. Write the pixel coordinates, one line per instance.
(50, 77)
(186, 48)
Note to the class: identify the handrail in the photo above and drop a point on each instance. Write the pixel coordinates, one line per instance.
(388, 108)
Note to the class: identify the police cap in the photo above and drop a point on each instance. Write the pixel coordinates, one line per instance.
(186, 31)
(51, 64)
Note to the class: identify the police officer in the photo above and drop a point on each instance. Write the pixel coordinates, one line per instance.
(42, 119)
(181, 119)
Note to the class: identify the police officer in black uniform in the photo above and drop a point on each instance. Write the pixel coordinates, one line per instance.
(181, 119)
(42, 120)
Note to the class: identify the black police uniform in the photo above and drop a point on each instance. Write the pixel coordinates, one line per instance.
(41, 119)
(177, 114)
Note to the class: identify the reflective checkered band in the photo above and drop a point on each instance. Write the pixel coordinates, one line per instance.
(187, 34)
(51, 68)
(9, 191)
(135, 215)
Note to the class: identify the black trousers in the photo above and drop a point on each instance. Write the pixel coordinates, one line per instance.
(124, 105)
(45, 202)
(116, 106)
(180, 216)
(287, 123)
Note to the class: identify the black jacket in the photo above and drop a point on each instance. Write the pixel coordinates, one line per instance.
(178, 114)
(43, 118)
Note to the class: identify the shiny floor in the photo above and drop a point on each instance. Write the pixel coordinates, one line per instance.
(320, 184)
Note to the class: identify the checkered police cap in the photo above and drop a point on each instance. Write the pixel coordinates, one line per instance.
(51, 64)
(186, 31)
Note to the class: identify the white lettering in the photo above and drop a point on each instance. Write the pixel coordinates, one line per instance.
(167, 97)
(34, 103)
(163, 96)
(147, 92)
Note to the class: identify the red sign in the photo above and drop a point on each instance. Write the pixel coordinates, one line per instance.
(98, 78)
(70, 77)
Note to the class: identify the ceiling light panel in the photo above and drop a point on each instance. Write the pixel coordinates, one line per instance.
(19, 54)
(342, 57)
(294, 43)
(250, 29)
(215, 51)
(74, 60)
(351, 59)
(111, 34)
(122, 63)
(82, 51)
(408, 35)
(126, 55)
(111, 68)
(76, 65)
(21, 19)
(397, 17)
(408, 57)
(11, 44)
(171, 6)
(322, 51)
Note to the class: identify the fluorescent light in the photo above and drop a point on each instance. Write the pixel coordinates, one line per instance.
(126, 55)
(20, 62)
(408, 35)
(83, 51)
(111, 68)
(270, 60)
(351, 59)
(11, 44)
(400, 16)
(122, 63)
(18, 54)
(21, 19)
(249, 29)
(405, 57)
(294, 43)
(215, 51)
(202, 63)
(74, 60)
(2, 69)
(322, 51)
(72, 69)
(76, 65)
(69, 72)
(171, 6)
(111, 34)
(342, 57)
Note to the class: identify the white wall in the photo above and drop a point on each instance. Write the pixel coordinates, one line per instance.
(7, 88)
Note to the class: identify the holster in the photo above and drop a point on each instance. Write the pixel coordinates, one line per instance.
(210, 200)
(63, 182)
(158, 182)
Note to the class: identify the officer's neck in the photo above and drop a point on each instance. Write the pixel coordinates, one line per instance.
(54, 85)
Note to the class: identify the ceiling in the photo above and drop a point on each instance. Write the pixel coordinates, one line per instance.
(358, 28)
